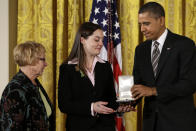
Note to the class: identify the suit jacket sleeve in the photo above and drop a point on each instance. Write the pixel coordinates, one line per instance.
(136, 73)
(65, 102)
(183, 85)
(111, 92)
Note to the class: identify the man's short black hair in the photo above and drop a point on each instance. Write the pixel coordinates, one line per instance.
(153, 8)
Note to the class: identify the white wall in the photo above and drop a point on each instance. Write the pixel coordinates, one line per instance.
(4, 44)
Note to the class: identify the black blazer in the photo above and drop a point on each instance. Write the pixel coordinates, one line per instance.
(174, 104)
(76, 93)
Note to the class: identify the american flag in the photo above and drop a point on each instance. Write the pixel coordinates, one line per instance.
(105, 14)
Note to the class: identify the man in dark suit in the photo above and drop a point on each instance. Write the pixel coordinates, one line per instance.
(162, 74)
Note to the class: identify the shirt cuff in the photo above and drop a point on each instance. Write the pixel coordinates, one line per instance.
(92, 111)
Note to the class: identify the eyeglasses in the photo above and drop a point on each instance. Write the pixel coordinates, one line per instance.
(42, 59)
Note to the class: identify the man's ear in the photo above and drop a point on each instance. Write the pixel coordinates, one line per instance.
(82, 40)
(162, 20)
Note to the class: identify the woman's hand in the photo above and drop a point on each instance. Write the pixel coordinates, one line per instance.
(100, 107)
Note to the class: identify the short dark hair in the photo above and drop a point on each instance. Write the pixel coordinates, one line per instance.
(154, 8)
(85, 30)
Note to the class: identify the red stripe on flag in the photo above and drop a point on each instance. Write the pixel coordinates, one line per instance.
(119, 124)
(116, 69)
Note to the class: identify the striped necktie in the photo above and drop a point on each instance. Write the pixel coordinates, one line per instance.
(155, 57)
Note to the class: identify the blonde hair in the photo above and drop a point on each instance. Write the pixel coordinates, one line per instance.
(28, 53)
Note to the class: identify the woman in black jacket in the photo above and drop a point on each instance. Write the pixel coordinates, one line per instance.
(86, 90)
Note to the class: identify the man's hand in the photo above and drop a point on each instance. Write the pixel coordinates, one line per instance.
(125, 108)
(139, 91)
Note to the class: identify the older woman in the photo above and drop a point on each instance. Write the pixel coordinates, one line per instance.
(25, 106)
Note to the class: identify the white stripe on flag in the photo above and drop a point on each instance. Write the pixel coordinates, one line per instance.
(103, 53)
(117, 53)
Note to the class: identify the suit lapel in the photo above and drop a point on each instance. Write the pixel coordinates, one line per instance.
(164, 53)
(97, 73)
(148, 58)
